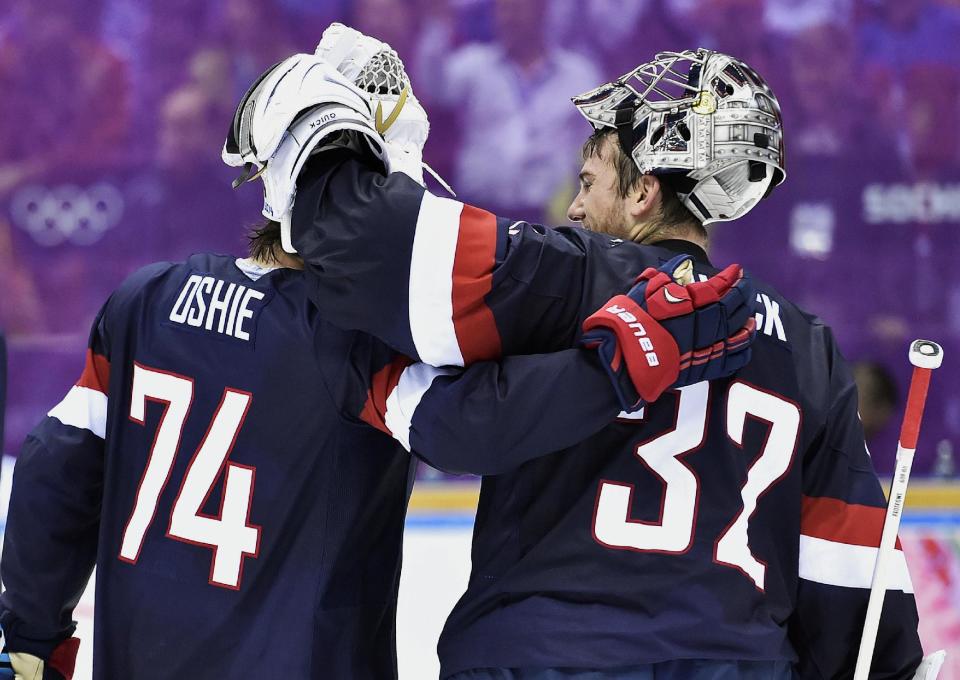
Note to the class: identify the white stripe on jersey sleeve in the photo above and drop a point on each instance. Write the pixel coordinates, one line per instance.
(405, 398)
(431, 281)
(851, 566)
(84, 408)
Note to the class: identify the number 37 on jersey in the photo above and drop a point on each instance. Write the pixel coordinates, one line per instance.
(664, 455)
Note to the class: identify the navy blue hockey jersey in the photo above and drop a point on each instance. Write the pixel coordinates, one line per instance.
(245, 523)
(736, 519)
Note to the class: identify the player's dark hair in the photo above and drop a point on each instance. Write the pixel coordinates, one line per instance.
(265, 241)
(675, 213)
(628, 174)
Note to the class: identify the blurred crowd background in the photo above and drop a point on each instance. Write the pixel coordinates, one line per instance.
(113, 113)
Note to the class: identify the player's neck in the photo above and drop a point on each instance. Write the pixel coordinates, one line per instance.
(279, 258)
(650, 233)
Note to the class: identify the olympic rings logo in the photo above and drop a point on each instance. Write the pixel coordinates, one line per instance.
(53, 215)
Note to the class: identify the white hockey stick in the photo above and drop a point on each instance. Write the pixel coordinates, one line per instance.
(925, 357)
(930, 666)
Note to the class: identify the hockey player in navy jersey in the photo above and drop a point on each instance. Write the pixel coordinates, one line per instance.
(728, 530)
(216, 462)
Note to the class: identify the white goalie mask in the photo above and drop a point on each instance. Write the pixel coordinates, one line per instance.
(283, 119)
(300, 107)
(704, 118)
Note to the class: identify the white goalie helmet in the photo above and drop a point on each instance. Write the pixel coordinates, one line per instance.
(283, 119)
(297, 108)
(277, 98)
(705, 119)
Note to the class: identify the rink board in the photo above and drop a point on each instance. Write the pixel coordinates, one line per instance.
(437, 564)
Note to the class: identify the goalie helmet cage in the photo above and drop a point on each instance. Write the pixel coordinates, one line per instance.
(704, 119)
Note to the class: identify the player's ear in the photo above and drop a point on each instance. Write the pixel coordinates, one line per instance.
(644, 198)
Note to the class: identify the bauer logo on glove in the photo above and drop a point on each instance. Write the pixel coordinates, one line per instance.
(638, 331)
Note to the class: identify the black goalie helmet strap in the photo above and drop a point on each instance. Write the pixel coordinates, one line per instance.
(625, 131)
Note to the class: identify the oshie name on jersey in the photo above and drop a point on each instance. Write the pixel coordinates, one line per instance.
(216, 305)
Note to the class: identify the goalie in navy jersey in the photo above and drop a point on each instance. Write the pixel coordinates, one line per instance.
(224, 457)
(727, 530)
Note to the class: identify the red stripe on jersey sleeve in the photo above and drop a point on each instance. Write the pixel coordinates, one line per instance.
(834, 520)
(382, 384)
(96, 373)
(473, 265)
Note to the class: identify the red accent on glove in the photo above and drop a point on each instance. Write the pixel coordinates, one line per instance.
(64, 657)
(648, 350)
(735, 341)
(707, 292)
(717, 349)
(667, 299)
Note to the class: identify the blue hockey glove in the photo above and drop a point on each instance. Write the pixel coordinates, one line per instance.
(664, 334)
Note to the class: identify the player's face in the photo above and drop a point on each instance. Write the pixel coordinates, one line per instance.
(598, 205)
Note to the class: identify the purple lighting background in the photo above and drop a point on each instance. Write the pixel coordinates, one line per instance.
(113, 113)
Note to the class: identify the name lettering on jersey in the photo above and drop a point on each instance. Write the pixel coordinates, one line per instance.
(217, 306)
(639, 332)
(768, 321)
